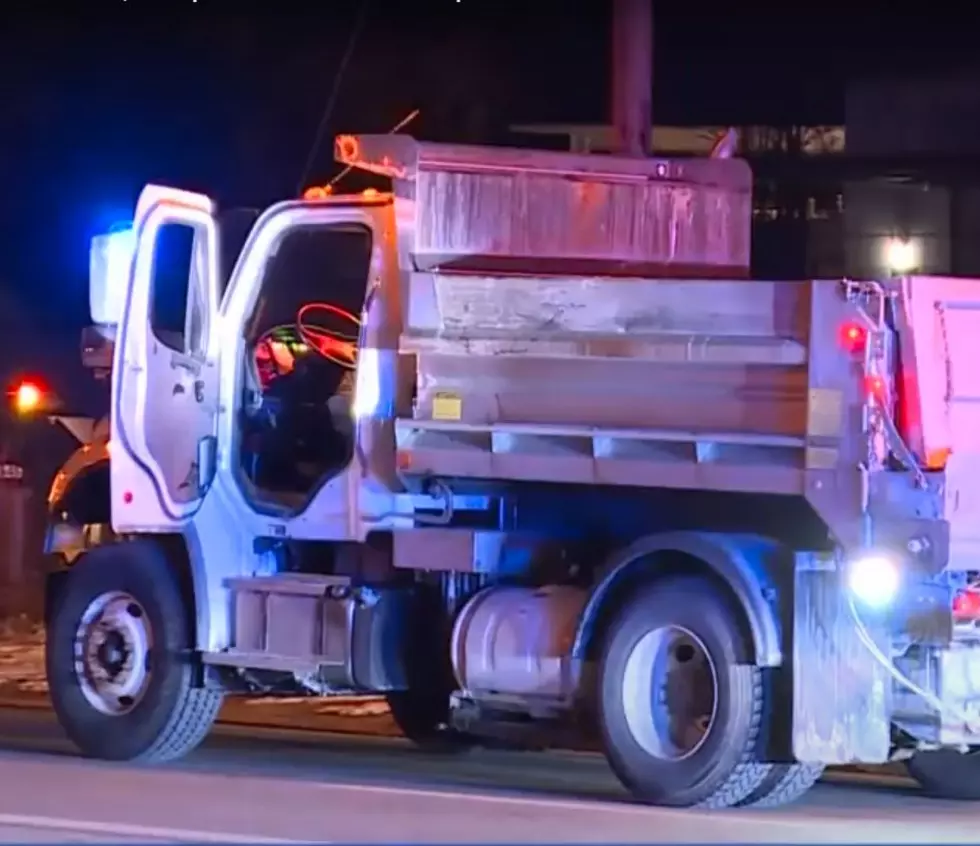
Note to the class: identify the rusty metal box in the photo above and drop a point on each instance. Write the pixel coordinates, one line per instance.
(506, 210)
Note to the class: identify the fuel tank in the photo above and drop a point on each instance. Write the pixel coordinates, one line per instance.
(516, 642)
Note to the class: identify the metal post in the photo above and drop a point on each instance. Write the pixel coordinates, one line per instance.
(632, 75)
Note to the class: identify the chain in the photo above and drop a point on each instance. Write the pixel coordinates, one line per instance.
(881, 426)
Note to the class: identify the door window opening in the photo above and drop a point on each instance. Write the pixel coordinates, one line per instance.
(296, 426)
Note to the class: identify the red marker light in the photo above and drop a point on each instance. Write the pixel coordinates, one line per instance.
(876, 388)
(853, 337)
(966, 605)
(318, 192)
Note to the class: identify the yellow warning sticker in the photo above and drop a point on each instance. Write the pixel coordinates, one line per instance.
(447, 406)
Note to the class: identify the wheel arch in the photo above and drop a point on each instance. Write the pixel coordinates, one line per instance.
(742, 564)
(81, 491)
(178, 553)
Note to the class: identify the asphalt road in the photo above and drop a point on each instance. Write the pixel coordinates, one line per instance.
(281, 786)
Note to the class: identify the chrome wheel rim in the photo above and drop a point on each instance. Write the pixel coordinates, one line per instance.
(112, 653)
(670, 693)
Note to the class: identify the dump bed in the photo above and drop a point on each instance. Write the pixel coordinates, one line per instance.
(661, 382)
(570, 322)
(586, 318)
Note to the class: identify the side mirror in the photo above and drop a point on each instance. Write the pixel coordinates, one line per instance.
(97, 347)
(109, 264)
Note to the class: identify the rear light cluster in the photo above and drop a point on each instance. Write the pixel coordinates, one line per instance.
(966, 605)
(853, 337)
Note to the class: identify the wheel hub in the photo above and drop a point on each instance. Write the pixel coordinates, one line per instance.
(670, 693)
(112, 653)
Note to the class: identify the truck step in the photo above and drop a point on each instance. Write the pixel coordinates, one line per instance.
(295, 616)
(343, 636)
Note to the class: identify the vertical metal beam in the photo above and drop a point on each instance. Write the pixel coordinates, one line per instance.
(632, 75)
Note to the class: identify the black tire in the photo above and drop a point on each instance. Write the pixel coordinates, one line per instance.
(422, 717)
(947, 774)
(422, 711)
(785, 784)
(172, 716)
(724, 769)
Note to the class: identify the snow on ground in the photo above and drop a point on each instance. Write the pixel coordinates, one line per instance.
(22, 675)
(22, 658)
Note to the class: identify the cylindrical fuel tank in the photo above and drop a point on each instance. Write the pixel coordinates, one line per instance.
(516, 641)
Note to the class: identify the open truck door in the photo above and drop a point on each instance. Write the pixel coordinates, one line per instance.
(164, 374)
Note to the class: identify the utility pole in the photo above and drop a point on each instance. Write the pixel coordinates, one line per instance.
(632, 75)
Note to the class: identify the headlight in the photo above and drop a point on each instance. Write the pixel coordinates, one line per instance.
(874, 580)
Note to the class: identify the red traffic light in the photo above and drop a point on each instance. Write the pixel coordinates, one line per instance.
(27, 397)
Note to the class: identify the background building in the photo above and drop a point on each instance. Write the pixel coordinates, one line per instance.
(894, 189)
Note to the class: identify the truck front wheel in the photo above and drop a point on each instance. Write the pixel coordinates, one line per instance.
(681, 709)
(118, 659)
(947, 774)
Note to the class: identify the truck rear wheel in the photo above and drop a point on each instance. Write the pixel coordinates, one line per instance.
(947, 774)
(117, 658)
(423, 718)
(680, 710)
(785, 783)
(421, 711)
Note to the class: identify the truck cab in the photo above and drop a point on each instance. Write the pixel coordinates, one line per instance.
(518, 445)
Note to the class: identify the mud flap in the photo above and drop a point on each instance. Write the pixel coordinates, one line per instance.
(841, 693)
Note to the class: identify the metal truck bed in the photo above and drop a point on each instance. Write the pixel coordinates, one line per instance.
(585, 319)
(700, 384)
(660, 382)
(548, 347)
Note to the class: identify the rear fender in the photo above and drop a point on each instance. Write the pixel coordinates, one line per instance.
(747, 564)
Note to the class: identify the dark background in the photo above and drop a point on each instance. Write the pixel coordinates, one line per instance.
(226, 97)
(230, 97)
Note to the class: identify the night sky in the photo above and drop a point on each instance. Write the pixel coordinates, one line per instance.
(101, 96)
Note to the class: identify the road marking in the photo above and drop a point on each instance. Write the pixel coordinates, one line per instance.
(839, 827)
(135, 831)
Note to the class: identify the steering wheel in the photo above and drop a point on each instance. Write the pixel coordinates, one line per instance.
(337, 346)
(274, 353)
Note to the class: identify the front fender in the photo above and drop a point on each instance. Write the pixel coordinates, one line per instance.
(79, 463)
(746, 563)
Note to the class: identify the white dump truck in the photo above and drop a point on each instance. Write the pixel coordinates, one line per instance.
(520, 446)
